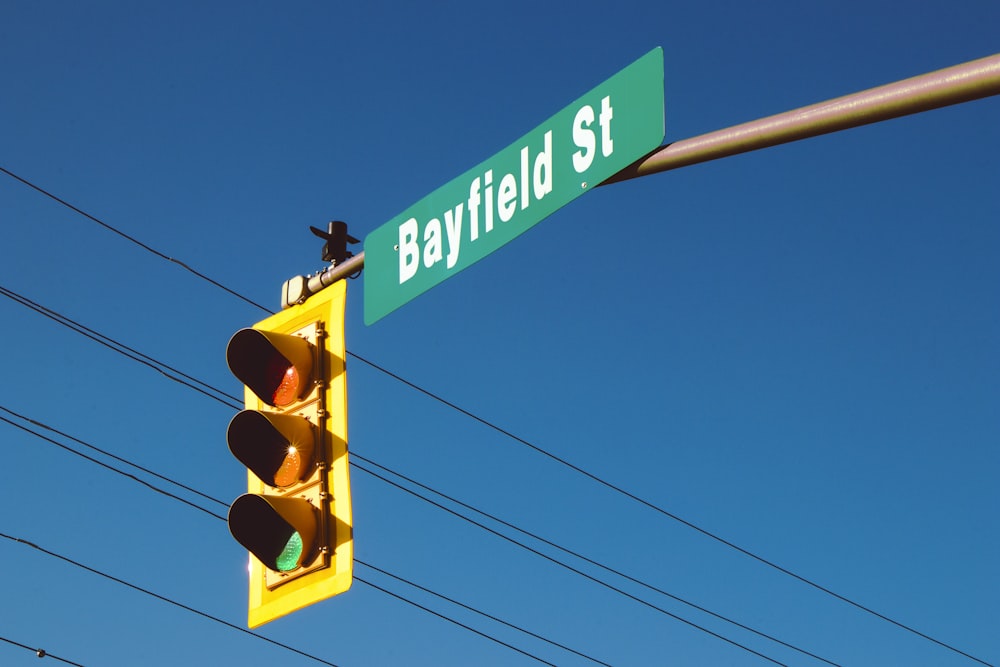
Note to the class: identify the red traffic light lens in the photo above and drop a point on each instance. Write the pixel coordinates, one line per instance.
(284, 377)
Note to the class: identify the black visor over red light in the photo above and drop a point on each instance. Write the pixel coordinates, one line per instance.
(276, 367)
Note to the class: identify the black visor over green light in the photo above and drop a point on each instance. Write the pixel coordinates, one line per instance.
(280, 532)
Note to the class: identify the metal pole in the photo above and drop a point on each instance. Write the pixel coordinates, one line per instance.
(953, 85)
(338, 272)
(298, 289)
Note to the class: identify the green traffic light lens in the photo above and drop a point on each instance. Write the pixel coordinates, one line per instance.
(280, 531)
(289, 557)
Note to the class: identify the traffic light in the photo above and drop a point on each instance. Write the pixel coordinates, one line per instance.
(295, 518)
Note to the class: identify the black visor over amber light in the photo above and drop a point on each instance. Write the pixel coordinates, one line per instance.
(277, 448)
(276, 367)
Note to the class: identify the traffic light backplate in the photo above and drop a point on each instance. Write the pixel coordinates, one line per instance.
(295, 518)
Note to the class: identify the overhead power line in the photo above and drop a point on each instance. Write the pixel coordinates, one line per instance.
(112, 344)
(163, 598)
(492, 618)
(451, 620)
(670, 515)
(105, 465)
(222, 518)
(608, 485)
(570, 552)
(40, 652)
(104, 453)
(572, 569)
(134, 240)
(452, 512)
(115, 345)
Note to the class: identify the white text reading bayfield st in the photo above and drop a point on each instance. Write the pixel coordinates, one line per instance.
(442, 237)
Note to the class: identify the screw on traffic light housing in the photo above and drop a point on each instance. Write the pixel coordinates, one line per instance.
(295, 518)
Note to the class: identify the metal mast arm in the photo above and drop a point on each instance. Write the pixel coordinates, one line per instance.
(953, 85)
(961, 83)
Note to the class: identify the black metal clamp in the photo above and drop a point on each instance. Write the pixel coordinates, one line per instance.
(336, 237)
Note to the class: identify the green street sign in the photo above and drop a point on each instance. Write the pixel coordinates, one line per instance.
(466, 219)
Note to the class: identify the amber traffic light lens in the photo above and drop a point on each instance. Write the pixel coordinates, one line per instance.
(291, 469)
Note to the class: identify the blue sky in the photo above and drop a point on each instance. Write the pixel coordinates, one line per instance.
(793, 349)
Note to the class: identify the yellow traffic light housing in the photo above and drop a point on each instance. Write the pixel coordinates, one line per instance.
(295, 518)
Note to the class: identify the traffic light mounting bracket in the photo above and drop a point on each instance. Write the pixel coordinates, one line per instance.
(343, 264)
(336, 237)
